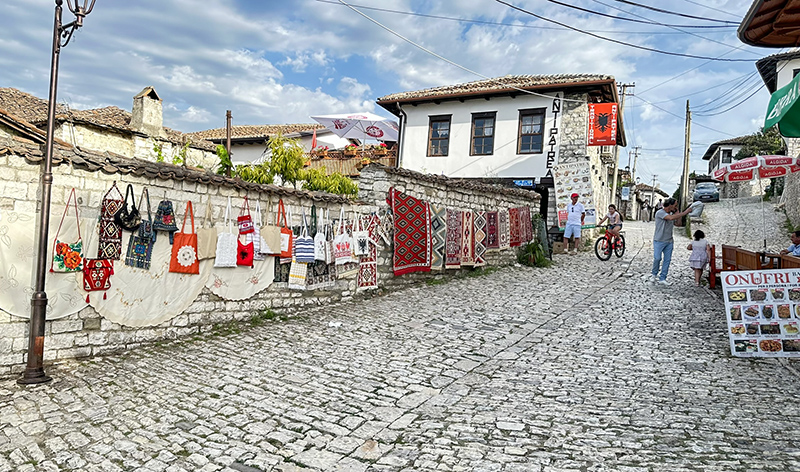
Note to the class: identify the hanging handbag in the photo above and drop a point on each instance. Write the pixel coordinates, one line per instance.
(109, 244)
(342, 244)
(255, 236)
(271, 235)
(165, 219)
(68, 257)
(286, 233)
(96, 272)
(298, 272)
(207, 236)
(304, 247)
(184, 250)
(129, 218)
(140, 244)
(360, 238)
(245, 220)
(226, 243)
(320, 243)
(330, 258)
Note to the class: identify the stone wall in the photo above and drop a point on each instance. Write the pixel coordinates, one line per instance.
(86, 333)
(791, 188)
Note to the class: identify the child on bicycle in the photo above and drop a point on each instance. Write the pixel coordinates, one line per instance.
(701, 254)
(614, 221)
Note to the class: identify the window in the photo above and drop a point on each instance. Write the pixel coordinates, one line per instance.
(439, 135)
(482, 134)
(727, 154)
(531, 123)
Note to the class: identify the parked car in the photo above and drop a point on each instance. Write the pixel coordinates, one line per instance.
(706, 192)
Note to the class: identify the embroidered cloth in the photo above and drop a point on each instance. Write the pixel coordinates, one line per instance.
(110, 236)
(514, 227)
(412, 233)
(480, 238)
(241, 283)
(492, 239)
(467, 238)
(320, 275)
(453, 240)
(503, 235)
(368, 266)
(438, 236)
(525, 222)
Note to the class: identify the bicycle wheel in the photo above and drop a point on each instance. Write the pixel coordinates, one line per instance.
(619, 247)
(601, 249)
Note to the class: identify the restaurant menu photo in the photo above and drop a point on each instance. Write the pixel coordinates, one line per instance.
(572, 178)
(763, 311)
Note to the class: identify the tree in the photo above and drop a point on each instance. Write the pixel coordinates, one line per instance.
(762, 143)
(286, 159)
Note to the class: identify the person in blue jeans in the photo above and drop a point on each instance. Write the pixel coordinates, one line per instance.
(662, 239)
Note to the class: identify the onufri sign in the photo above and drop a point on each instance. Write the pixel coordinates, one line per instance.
(602, 124)
(763, 309)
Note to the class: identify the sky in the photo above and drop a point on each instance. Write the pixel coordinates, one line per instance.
(280, 61)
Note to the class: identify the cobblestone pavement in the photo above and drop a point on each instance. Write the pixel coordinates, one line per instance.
(583, 366)
(742, 222)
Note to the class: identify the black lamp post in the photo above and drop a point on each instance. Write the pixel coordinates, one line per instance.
(34, 371)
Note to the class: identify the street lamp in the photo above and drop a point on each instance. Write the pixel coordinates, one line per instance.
(34, 370)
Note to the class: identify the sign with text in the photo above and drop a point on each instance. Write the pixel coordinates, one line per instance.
(602, 124)
(574, 178)
(763, 311)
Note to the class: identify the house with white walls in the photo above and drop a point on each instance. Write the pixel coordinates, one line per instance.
(510, 129)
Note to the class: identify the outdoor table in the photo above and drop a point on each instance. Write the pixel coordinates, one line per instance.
(774, 260)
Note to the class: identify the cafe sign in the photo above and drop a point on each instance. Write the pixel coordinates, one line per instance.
(784, 111)
(763, 311)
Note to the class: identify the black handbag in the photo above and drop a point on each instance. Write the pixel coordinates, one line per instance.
(129, 219)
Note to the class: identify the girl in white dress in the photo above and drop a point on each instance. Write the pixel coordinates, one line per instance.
(701, 253)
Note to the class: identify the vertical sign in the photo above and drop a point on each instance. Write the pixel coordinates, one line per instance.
(552, 135)
(574, 178)
(602, 124)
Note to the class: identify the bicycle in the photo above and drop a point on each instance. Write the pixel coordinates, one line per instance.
(605, 245)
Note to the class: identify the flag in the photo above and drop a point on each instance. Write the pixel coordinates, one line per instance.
(602, 124)
(314, 140)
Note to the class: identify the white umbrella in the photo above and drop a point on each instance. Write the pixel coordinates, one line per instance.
(360, 126)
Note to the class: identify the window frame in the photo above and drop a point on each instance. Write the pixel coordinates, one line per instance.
(439, 118)
(472, 137)
(529, 112)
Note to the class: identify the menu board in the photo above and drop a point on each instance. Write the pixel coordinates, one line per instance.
(572, 178)
(763, 312)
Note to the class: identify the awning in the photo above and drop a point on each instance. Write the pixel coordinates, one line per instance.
(784, 111)
(771, 23)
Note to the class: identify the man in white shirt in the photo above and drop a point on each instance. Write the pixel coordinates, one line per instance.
(576, 213)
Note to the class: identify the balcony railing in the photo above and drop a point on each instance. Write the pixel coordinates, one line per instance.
(350, 164)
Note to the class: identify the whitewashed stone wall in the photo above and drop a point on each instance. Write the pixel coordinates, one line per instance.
(86, 333)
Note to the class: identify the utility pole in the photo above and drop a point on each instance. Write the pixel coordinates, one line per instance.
(635, 158)
(616, 148)
(228, 118)
(653, 190)
(686, 151)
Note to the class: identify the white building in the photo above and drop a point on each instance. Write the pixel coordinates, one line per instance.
(723, 152)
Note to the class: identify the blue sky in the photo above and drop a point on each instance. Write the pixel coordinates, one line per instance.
(279, 61)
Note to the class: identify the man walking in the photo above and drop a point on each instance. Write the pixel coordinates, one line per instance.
(576, 214)
(662, 239)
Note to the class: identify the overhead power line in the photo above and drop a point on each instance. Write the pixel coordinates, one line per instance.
(636, 46)
(734, 106)
(668, 12)
(682, 118)
(634, 20)
(712, 8)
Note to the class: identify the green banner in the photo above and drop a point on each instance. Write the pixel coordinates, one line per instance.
(784, 110)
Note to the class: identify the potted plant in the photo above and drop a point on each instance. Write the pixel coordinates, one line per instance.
(350, 150)
(320, 151)
(380, 149)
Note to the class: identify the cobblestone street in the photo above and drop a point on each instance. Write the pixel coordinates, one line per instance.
(583, 366)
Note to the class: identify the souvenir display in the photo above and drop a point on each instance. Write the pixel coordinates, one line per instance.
(68, 257)
(227, 243)
(514, 227)
(412, 233)
(270, 235)
(245, 220)
(97, 275)
(572, 178)
(492, 236)
(207, 236)
(480, 238)
(438, 236)
(503, 234)
(320, 243)
(286, 233)
(360, 237)
(128, 218)
(467, 238)
(255, 236)
(453, 239)
(184, 248)
(281, 271)
(140, 244)
(165, 219)
(527, 224)
(244, 253)
(109, 244)
(304, 246)
(342, 244)
(297, 272)
(293, 232)
(368, 266)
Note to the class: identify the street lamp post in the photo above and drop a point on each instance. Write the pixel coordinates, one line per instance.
(34, 370)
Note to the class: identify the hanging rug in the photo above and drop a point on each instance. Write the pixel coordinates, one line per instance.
(503, 235)
(412, 233)
(368, 266)
(453, 240)
(438, 236)
(514, 227)
(492, 239)
(467, 238)
(480, 238)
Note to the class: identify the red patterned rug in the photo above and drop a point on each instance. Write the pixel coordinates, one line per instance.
(468, 238)
(503, 233)
(453, 240)
(412, 233)
(368, 266)
(514, 227)
(492, 238)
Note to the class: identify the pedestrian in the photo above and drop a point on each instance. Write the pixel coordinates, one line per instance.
(662, 239)
(794, 248)
(645, 211)
(576, 214)
(701, 254)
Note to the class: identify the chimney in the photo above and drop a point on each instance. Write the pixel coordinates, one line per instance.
(147, 115)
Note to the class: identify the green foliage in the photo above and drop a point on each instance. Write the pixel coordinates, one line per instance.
(225, 165)
(263, 316)
(180, 157)
(256, 173)
(533, 254)
(286, 160)
(762, 143)
(158, 148)
(316, 179)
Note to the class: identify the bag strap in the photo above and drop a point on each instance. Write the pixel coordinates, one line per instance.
(290, 220)
(245, 203)
(129, 192)
(190, 213)
(72, 198)
(113, 187)
(341, 220)
(228, 215)
(314, 221)
(146, 197)
(258, 220)
(281, 212)
(305, 224)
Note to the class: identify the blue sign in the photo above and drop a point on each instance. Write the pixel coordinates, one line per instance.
(523, 183)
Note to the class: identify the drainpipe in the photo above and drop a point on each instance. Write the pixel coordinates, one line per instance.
(401, 134)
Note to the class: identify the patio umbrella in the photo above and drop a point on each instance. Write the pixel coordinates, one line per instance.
(757, 167)
(360, 126)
